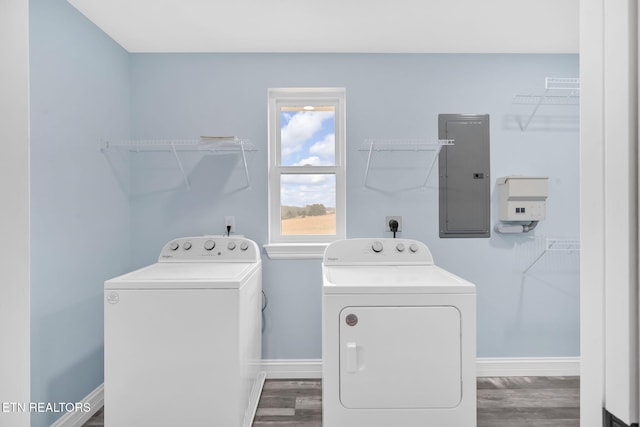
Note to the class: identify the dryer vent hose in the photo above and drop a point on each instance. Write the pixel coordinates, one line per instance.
(515, 228)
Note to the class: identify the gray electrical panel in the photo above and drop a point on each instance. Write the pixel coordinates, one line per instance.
(464, 175)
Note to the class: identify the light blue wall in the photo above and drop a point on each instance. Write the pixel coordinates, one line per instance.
(388, 96)
(95, 216)
(79, 212)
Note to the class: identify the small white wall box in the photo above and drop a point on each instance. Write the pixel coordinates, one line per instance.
(522, 198)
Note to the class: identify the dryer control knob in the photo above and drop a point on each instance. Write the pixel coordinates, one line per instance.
(209, 244)
(377, 247)
(244, 246)
(400, 247)
(174, 246)
(186, 246)
(231, 246)
(414, 247)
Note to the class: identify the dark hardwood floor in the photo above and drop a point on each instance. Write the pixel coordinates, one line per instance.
(290, 403)
(502, 402)
(529, 401)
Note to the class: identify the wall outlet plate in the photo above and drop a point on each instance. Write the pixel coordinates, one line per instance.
(389, 218)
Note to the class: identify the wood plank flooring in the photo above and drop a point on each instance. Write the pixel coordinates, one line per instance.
(504, 401)
(529, 401)
(301, 398)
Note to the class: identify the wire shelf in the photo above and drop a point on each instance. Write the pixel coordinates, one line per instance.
(548, 97)
(204, 144)
(211, 144)
(415, 144)
(553, 244)
(557, 91)
(409, 144)
(570, 83)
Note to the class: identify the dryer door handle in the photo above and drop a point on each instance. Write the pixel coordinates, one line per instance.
(352, 357)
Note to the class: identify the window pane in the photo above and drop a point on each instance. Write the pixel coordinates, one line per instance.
(308, 204)
(307, 135)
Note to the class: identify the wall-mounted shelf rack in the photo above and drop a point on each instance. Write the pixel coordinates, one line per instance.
(555, 245)
(557, 91)
(410, 145)
(204, 144)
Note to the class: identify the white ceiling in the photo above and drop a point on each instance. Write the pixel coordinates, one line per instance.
(449, 26)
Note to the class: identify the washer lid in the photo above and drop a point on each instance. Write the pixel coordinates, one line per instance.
(185, 275)
(392, 279)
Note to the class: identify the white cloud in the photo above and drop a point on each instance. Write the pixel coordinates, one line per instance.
(313, 180)
(314, 161)
(307, 189)
(325, 148)
(300, 128)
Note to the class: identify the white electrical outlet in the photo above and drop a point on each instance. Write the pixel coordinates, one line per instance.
(389, 218)
(230, 221)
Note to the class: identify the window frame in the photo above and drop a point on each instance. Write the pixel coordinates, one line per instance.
(304, 245)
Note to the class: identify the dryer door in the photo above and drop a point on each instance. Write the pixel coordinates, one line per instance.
(400, 357)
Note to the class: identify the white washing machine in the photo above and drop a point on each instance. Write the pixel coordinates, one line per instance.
(182, 337)
(398, 338)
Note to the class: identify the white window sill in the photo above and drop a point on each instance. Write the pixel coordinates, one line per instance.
(295, 250)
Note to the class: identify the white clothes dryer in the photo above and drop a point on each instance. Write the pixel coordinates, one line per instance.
(398, 337)
(182, 337)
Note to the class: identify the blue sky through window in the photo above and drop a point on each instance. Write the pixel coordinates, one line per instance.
(307, 139)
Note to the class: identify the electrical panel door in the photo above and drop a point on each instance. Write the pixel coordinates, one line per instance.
(464, 176)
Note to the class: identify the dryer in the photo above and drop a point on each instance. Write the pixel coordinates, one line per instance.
(182, 337)
(398, 337)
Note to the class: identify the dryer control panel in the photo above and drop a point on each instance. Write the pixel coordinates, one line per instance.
(210, 249)
(383, 251)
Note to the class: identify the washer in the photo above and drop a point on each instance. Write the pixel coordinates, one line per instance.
(398, 337)
(183, 337)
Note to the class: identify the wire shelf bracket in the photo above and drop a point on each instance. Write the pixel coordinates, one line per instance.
(373, 145)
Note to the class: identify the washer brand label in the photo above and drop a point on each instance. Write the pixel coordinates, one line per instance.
(113, 298)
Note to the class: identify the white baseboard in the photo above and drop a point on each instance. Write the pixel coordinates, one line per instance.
(95, 399)
(292, 368)
(528, 367)
(486, 367)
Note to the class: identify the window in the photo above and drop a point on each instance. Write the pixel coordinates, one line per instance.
(306, 170)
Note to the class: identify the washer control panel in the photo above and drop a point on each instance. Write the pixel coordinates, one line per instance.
(385, 251)
(210, 249)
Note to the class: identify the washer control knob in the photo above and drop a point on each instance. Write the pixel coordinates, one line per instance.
(400, 247)
(244, 246)
(186, 246)
(414, 247)
(174, 246)
(377, 247)
(209, 244)
(231, 246)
